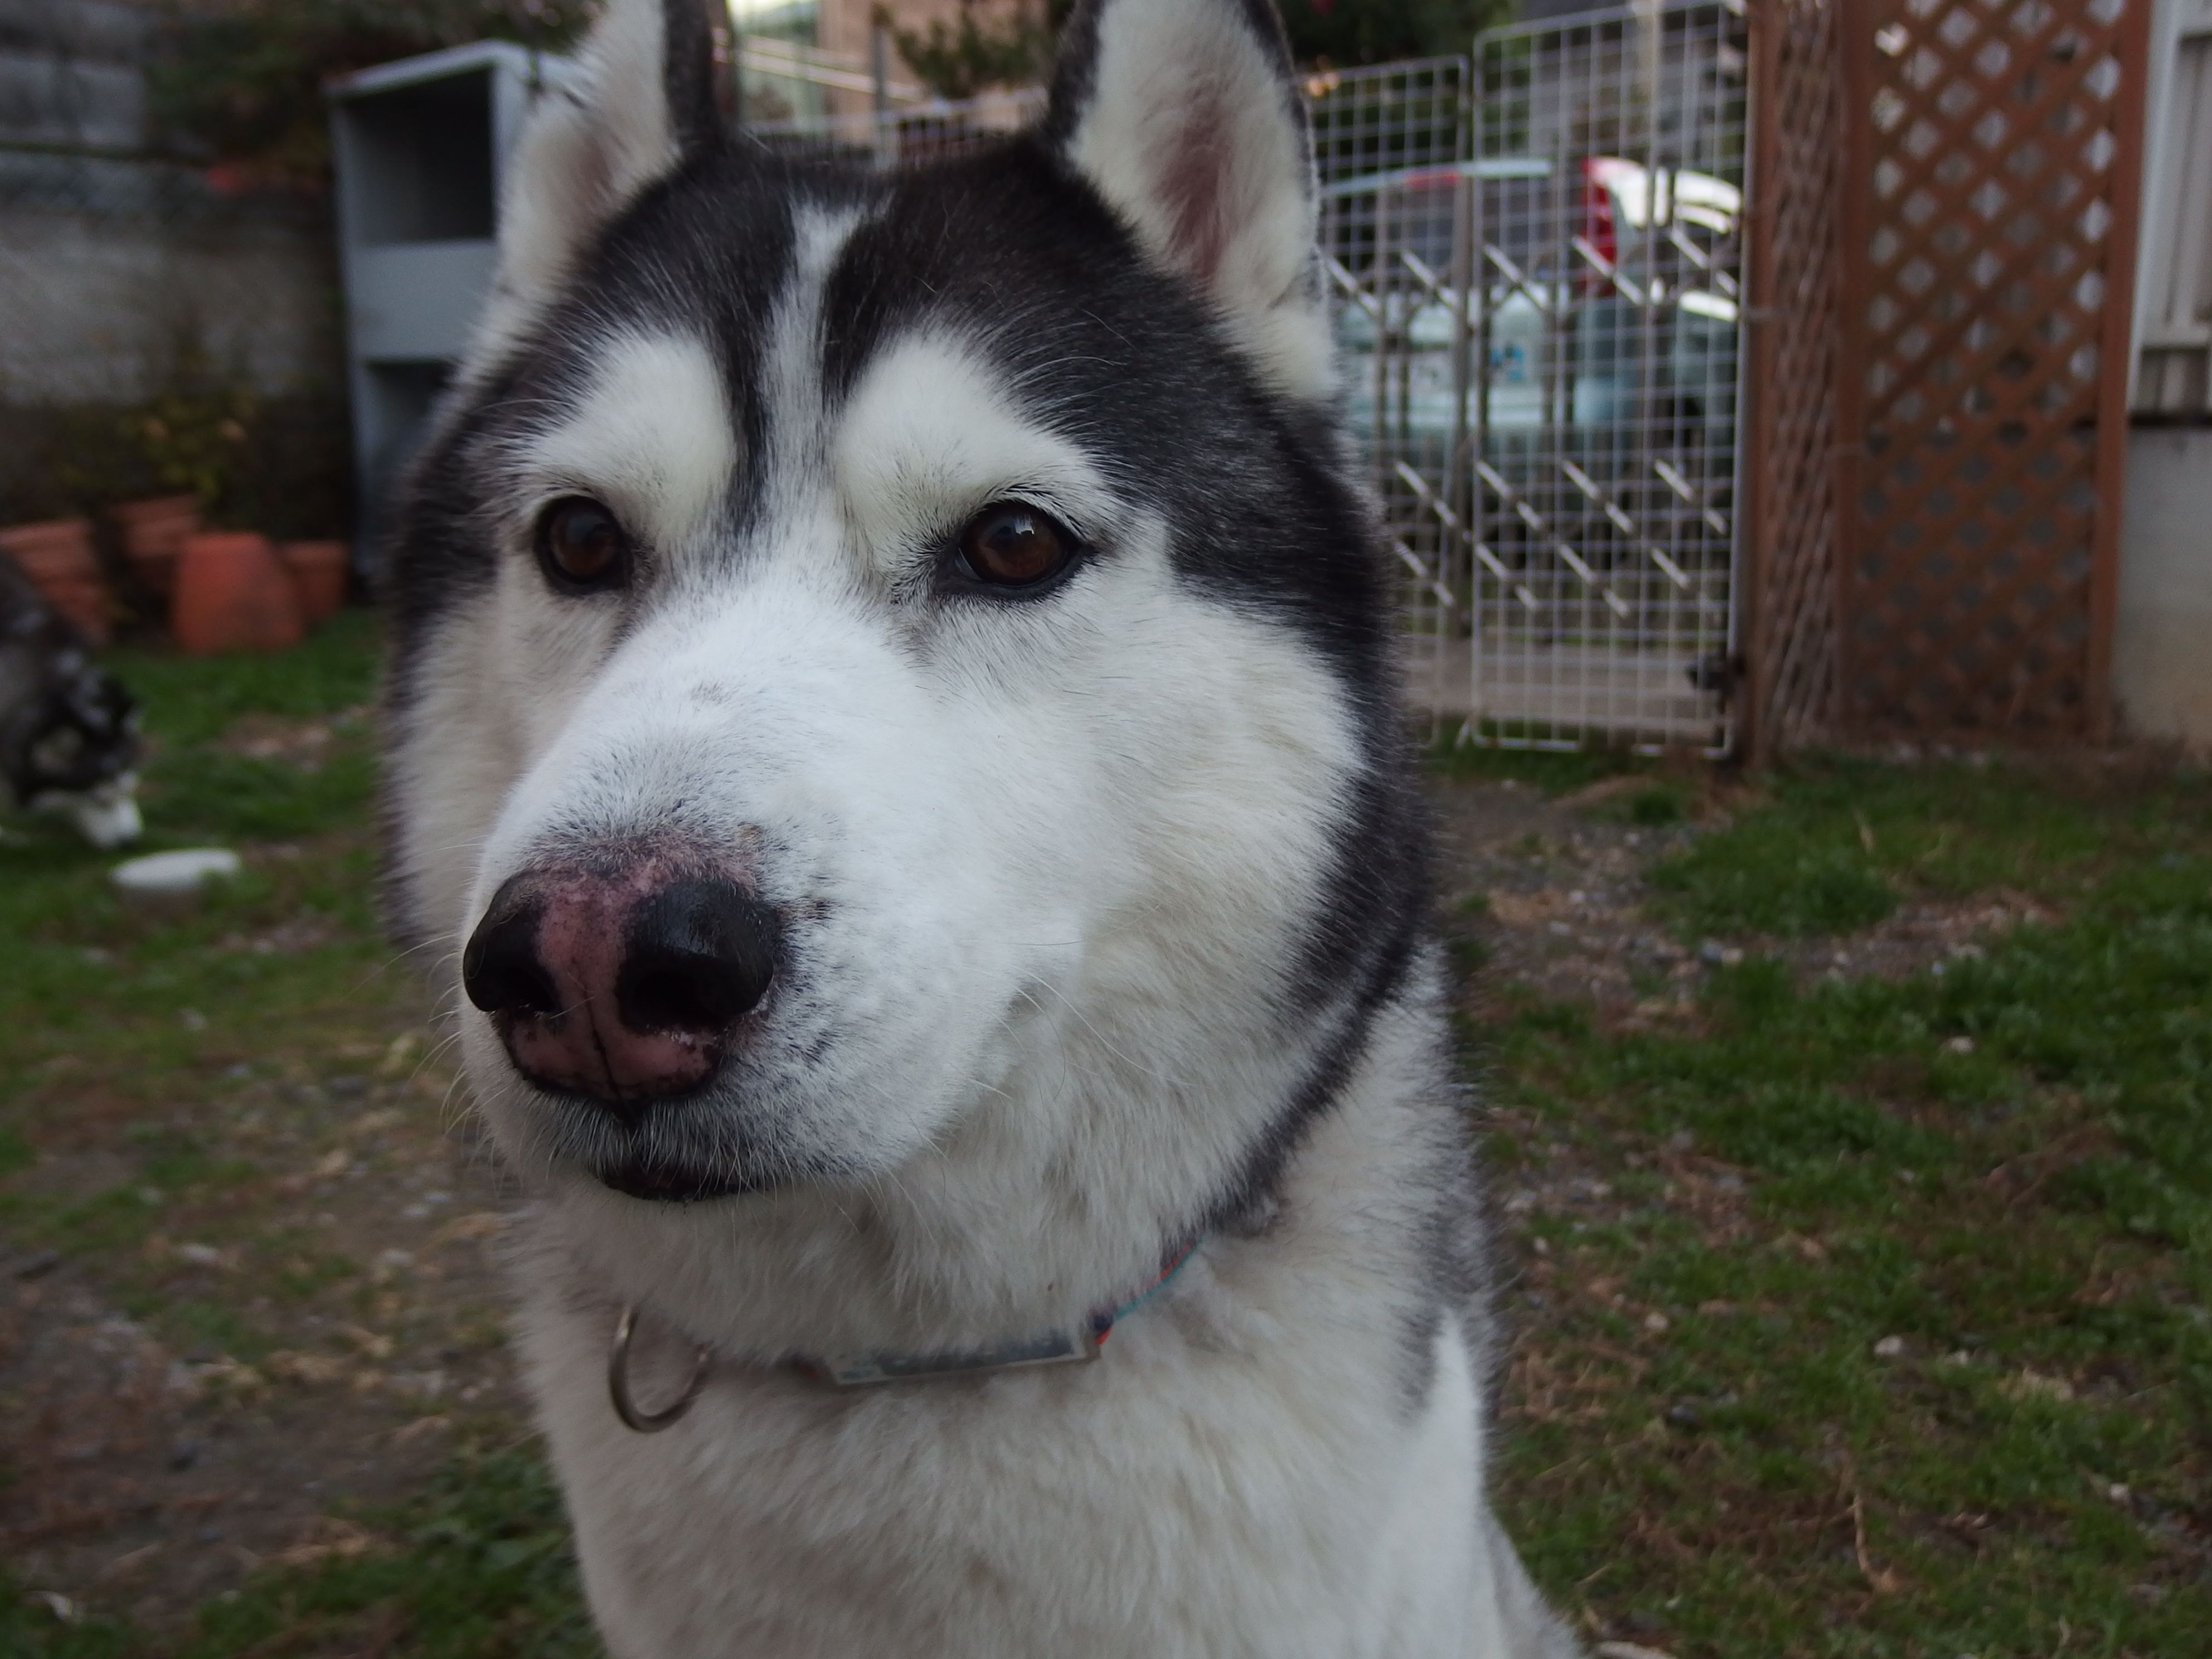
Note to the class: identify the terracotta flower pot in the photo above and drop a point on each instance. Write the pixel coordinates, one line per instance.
(57, 557)
(233, 594)
(153, 535)
(318, 571)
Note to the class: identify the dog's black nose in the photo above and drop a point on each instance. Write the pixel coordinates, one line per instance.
(695, 955)
(613, 981)
(500, 970)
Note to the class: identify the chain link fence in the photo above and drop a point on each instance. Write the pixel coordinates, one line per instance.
(106, 184)
(907, 135)
(1535, 255)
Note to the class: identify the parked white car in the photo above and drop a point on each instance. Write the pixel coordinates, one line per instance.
(1561, 347)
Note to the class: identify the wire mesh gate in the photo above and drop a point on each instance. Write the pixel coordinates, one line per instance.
(1389, 146)
(1535, 258)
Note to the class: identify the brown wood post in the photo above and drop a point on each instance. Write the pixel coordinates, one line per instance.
(1754, 506)
(1787, 516)
(1855, 27)
(2113, 350)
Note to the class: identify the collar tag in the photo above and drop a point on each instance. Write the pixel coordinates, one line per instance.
(1074, 1345)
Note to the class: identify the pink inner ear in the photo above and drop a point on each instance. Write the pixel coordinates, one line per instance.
(1194, 183)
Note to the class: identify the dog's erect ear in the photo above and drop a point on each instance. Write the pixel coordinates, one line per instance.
(1188, 117)
(641, 99)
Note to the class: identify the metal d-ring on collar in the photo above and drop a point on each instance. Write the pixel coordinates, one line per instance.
(618, 1380)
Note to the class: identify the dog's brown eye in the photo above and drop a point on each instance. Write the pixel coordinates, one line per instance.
(1009, 544)
(581, 545)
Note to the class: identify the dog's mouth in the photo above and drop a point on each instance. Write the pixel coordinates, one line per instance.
(671, 1183)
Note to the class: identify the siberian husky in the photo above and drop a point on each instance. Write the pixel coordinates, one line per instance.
(69, 730)
(893, 723)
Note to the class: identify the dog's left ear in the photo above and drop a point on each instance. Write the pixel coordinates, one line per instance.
(1188, 117)
(641, 101)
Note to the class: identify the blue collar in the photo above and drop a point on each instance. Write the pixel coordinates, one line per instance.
(1072, 1345)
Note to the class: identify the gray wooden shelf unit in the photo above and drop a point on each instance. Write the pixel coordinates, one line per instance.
(420, 146)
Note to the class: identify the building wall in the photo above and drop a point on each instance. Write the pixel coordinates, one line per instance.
(2162, 626)
(103, 307)
(68, 75)
(2162, 629)
(125, 277)
(110, 262)
(845, 24)
(838, 36)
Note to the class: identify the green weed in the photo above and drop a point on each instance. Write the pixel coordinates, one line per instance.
(30, 1630)
(193, 700)
(137, 996)
(479, 1567)
(1661, 804)
(476, 1566)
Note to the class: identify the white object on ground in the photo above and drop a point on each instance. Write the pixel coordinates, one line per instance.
(174, 875)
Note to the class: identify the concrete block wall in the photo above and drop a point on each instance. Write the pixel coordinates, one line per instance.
(109, 260)
(99, 307)
(68, 72)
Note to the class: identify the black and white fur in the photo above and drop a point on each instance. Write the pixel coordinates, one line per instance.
(68, 731)
(1103, 914)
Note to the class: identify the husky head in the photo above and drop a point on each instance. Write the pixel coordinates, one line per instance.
(894, 736)
(69, 730)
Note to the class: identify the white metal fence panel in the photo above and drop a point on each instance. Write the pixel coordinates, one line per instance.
(1609, 162)
(1389, 143)
(1534, 258)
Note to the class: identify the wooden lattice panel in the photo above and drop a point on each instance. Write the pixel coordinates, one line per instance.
(1992, 154)
(1789, 592)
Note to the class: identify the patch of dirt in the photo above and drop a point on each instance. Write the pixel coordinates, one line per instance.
(287, 938)
(305, 743)
(350, 1331)
(1555, 895)
(1920, 938)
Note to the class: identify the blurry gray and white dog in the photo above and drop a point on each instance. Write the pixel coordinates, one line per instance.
(68, 731)
(894, 735)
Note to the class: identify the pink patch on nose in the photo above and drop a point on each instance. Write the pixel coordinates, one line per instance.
(586, 1047)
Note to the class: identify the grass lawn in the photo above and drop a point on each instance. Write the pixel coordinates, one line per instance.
(195, 1111)
(1857, 1313)
(1874, 1315)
